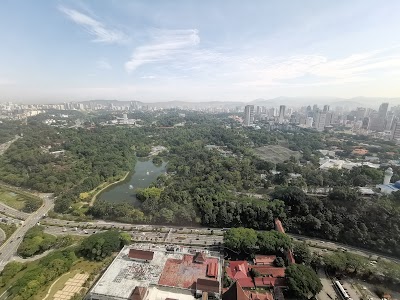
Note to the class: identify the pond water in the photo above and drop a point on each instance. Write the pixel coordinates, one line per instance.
(143, 175)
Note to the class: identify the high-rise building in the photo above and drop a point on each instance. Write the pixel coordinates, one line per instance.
(328, 119)
(396, 131)
(248, 115)
(389, 121)
(282, 110)
(326, 108)
(320, 121)
(309, 122)
(378, 120)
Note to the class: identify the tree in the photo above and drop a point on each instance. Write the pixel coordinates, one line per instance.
(241, 239)
(32, 204)
(302, 281)
(302, 253)
(279, 262)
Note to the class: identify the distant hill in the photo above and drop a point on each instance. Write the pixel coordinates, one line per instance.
(350, 103)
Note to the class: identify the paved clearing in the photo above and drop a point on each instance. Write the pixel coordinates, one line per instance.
(72, 286)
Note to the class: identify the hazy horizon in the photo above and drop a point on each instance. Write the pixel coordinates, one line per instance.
(195, 51)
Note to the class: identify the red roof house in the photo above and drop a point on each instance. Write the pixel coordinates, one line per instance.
(264, 259)
(141, 254)
(237, 269)
(269, 282)
(139, 293)
(269, 271)
(212, 269)
(200, 257)
(246, 283)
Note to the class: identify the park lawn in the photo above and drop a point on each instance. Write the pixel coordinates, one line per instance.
(13, 198)
(81, 266)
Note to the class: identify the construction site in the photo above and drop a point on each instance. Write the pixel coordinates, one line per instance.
(154, 272)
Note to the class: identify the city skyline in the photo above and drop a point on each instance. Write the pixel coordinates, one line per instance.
(192, 51)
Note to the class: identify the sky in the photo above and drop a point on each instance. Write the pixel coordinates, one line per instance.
(227, 50)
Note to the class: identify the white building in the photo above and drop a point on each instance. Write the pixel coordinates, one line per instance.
(248, 115)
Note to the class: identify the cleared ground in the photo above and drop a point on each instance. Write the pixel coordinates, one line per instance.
(59, 284)
(275, 153)
(72, 286)
(13, 198)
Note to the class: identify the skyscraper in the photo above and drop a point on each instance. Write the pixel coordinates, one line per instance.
(282, 110)
(378, 120)
(320, 121)
(248, 115)
(396, 131)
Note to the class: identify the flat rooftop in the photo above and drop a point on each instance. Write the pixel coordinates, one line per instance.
(159, 292)
(170, 274)
(124, 274)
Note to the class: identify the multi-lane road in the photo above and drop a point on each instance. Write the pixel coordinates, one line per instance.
(143, 233)
(10, 246)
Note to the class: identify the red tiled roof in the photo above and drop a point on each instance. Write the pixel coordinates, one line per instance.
(264, 259)
(264, 281)
(212, 269)
(272, 271)
(200, 257)
(138, 293)
(235, 292)
(207, 285)
(141, 254)
(269, 281)
(246, 282)
(237, 269)
(258, 296)
(278, 226)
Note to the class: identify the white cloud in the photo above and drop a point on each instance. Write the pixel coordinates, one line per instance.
(101, 33)
(321, 70)
(165, 45)
(148, 77)
(103, 64)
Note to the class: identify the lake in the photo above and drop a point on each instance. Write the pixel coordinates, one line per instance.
(143, 175)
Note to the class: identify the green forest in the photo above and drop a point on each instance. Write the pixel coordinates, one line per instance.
(224, 186)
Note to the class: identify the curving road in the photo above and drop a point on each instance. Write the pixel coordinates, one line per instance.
(12, 212)
(335, 245)
(10, 246)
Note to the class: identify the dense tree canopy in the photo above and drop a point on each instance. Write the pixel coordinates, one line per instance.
(302, 281)
(100, 245)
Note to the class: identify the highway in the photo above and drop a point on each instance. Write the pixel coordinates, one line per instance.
(335, 245)
(12, 212)
(143, 233)
(172, 236)
(10, 246)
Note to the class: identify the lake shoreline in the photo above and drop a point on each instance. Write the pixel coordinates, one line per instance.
(144, 173)
(107, 186)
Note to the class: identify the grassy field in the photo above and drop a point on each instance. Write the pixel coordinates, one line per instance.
(81, 266)
(13, 198)
(275, 153)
